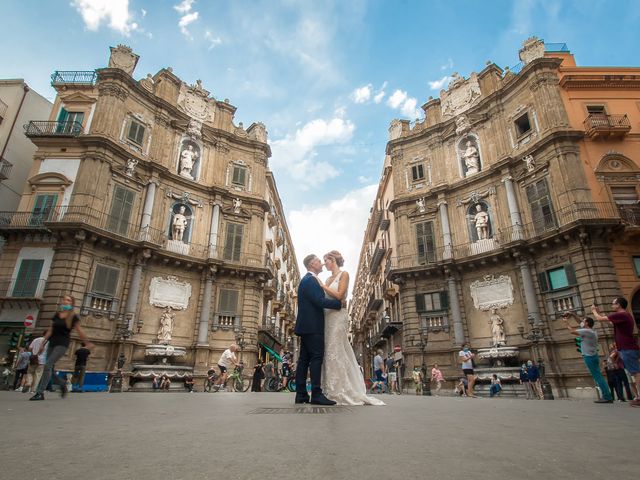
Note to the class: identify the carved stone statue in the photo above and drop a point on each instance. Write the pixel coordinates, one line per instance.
(481, 221)
(179, 224)
(194, 128)
(530, 162)
(471, 158)
(187, 159)
(420, 203)
(237, 203)
(166, 326)
(131, 166)
(497, 329)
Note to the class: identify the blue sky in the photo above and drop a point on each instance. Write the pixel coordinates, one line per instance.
(326, 77)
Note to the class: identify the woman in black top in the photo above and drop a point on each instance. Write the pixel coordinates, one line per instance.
(258, 375)
(58, 337)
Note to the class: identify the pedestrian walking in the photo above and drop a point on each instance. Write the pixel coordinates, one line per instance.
(258, 375)
(21, 369)
(589, 348)
(417, 379)
(58, 338)
(465, 356)
(628, 348)
(620, 373)
(80, 368)
(437, 377)
(524, 380)
(615, 385)
(533, 372)
(378, 371)
(37, 362)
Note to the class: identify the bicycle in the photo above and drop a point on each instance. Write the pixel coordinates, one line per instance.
(239, 382)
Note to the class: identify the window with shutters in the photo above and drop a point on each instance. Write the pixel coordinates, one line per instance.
(102, 297)
(70, 122)
(43, 208)
(432, 301)
(417, 173)
(135, 132)
(560, 287)
(227, 315)
(121, 209)
(557, 278)
(539, 199)
(233, 242)
(425, 243)
(239, 176)
(28, 280)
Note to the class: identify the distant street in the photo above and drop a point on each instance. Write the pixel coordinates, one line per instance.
(262, 435)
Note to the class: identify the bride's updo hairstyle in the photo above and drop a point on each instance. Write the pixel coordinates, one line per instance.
(336, 256)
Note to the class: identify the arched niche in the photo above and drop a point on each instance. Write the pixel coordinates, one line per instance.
(480, 222)
(181, 219)
(189, 159)
(469, 155)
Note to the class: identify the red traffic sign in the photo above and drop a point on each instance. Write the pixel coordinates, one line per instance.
(28, 321)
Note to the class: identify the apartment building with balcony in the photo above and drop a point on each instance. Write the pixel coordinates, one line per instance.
(496, 229)
(146, 202)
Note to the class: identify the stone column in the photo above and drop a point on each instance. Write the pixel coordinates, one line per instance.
(132, 297)
(446, 229)
(529, 291)
(456, 311)
(145, 222)
(213, 234)
(205, 312)
(514, 210)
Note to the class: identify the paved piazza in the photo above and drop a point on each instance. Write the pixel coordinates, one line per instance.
(258, 435)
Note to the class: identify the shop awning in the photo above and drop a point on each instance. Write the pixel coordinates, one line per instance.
(271, 351)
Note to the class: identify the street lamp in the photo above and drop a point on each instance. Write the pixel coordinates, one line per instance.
(424, 338)
(535, 336)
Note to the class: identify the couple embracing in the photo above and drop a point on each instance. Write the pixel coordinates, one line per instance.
(325, 351)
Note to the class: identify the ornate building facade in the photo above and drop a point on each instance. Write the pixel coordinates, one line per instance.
(160, 216)
(496, 230)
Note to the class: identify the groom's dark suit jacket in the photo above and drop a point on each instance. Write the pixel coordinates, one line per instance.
(311, 305)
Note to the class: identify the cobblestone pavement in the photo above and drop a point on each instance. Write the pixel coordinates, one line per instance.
(262, 435)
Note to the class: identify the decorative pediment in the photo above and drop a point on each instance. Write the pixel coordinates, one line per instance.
(461, 95)
(231, 211)
(49, 178)
(614, 164)
(77, 97)
(475, 196)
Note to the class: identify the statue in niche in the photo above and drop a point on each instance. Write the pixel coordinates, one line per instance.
(471, 158)
(179, 224)
(167, 320)
(237, 203)
(131, 166)
(530, 162)
(497, 329)
(420, 203)
(188, 158)
(481, 221)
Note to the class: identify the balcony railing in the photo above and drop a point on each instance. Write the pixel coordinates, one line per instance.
(376, 258)
(226, 321)
(22, 287)
(601, 125)
(5, 169)
(99, 304)
(41, 128)
(74, 77)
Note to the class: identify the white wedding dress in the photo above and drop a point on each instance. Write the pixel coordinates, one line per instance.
(342, 379)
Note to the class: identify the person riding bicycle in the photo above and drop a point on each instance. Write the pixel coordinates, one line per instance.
(286, 369)
(227, 360)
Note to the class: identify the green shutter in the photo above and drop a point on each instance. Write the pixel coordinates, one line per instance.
(239, 175)
(444, 300)
(26, 283)
(570, 272)
(543, 281)
(105, 280)
(233, 242)
(228, 302)
(420, 307)
(42, 209)
(121, 208)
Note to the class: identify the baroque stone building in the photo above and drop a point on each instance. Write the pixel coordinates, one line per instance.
(486, 228)
(160, 216)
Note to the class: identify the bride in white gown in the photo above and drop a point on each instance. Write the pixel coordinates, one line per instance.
(342, 379)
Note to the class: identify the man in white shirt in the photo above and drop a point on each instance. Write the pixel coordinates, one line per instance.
(36, 370)
(227, 360)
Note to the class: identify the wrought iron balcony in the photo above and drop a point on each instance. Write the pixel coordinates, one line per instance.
(22, 287)
(5, 169)
(376, 258)
(74, 78)
(41, 128)
(599, 125)
(98, 304)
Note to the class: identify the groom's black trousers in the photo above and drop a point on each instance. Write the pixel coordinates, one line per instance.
(310, 358)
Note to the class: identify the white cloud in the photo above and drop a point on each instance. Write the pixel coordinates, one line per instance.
(363, 179)
(187, 18)
(440, 84)
(213, 40)
(338, 226)
(399, 100)
(115, 13)
(379, 96)
(448, 65)
(295, 155)
(362, 94)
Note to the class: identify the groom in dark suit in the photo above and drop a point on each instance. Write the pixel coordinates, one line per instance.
(310, 329)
